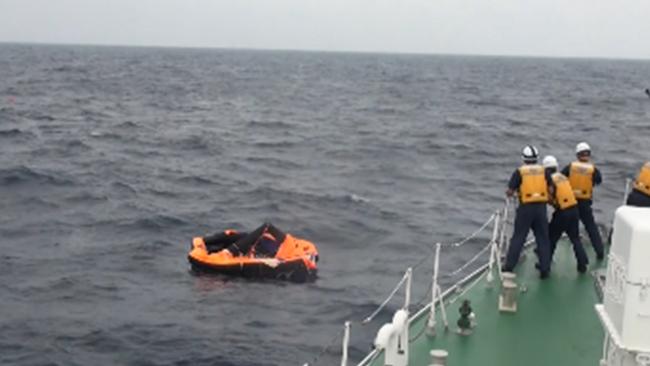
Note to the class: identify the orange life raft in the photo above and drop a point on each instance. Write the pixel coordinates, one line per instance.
(294, 261)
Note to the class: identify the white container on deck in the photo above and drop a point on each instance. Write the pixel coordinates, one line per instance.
(625, 312)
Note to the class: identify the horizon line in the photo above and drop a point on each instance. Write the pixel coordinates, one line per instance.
(342, 51)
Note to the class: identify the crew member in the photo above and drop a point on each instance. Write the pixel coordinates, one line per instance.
(583, 176)
(640, 195)
(566, 216)
(532, 185)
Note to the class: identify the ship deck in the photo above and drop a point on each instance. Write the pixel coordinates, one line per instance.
(555, 324)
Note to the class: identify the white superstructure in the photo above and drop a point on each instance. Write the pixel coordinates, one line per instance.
(625, 312)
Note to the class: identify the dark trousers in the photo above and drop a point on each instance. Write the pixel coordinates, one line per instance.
(220, 240)
(530, 216)
(638, 199)
(566, 221)
(587, 218)
(244, 245)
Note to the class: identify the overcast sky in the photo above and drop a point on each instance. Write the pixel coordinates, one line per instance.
(579, 28)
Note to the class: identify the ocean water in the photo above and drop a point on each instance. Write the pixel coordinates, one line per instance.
(111, 159)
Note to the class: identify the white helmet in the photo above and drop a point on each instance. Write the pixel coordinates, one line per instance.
(529, 153)
(582, 147)
(549, 161)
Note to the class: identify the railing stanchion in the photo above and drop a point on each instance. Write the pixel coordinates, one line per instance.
(346, 341)
(431, 322)
(504, 227)
(407, 296)
(493, 249)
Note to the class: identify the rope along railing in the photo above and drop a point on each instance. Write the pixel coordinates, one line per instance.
(499, 218)
(469, 262)
(473, 235)
(458, 243)
(405, 278)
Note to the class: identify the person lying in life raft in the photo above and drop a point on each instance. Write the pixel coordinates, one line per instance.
(262, 242)
(265, 252)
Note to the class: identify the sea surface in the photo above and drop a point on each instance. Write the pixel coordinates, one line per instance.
(112, 159)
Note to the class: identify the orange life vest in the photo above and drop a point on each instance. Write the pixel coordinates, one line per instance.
(533, 184)
(564, 197)
(581, 176)
(642, 182)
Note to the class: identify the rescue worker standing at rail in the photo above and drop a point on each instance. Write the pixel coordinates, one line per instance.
(640, 195)
(583, 176)
(566, 217)
(532, 183)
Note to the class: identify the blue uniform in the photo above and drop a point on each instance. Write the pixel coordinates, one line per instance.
(529, 216)
(587, 215)
(567, 221)
(639, 199)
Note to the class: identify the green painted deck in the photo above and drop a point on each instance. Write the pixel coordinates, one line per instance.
(555, 324)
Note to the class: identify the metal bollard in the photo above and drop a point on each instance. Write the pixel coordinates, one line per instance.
(438, 357)
(508, 297)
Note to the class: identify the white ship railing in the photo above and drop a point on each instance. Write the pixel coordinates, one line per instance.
(496, 246)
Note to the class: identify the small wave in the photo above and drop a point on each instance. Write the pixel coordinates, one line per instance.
(39, 202)
(69, 69)
(15, 132)
(637, 127)
(25, 175)
(63, 284)
(514, 134)
(94, 115)
(123, 188)
(194, 143)
(270, 124)
(456, 125)
(258, 324)
(380, 110)
(158, 222)
(103, 342)
(106, 135)
(519, 107)
(515, 123)
(274, 162)
(358, 199)
(307, 198)
(584, 102)
(127, 124)
(272, 144)
(86, 197)
(77, 145)
(160, 192)
(149, 246)
(484, 103)
(196, 180)
(40, 117)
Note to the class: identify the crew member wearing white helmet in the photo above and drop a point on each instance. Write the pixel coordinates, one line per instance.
(583, 176)
(640, 195)
(566, 217)
(532, 184)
